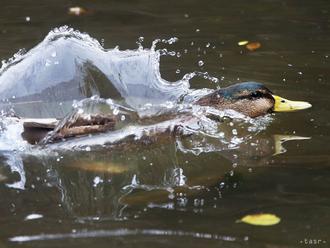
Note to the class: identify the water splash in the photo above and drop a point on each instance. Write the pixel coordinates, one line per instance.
(10, 135)
(70, 65)
(71, 72)
(15, 162)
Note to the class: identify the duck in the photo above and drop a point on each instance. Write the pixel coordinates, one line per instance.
(251, 99)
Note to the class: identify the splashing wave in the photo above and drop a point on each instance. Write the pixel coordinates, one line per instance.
(68, 66)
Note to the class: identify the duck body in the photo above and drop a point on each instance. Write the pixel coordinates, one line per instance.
(250, 98)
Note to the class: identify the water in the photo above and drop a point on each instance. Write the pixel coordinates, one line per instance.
(173, 191)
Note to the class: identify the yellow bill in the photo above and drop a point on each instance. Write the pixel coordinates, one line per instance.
(285, 105)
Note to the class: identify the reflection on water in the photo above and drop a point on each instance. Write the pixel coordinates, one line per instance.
(130, 187)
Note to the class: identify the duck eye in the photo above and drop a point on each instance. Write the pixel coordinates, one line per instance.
(256, 94)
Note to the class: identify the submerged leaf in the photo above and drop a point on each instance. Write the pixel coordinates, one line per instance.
(101, 167)
(261, 219)
(253, 46)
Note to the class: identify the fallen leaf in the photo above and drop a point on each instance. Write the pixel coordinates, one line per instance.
(77, 11)
(261, 219)
(253, 46)
(243, 42)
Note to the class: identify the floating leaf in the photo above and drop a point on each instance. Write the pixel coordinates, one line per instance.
(253, 46)
(77, 11)
(243, 42)
(261, 219)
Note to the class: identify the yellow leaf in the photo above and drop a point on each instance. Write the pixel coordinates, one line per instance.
(243, 42)
(261, 219)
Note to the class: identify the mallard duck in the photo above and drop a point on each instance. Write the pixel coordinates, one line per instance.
(251, 99)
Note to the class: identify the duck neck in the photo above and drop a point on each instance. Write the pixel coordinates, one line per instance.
(215, 98)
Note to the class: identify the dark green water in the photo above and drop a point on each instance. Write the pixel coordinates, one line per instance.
(86, 208)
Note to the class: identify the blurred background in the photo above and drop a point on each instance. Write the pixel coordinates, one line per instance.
(80, 206)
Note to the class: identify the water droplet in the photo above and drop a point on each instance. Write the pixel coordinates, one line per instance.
(109, 102)
(173, 40)
(97, 180)
(215, 80)
(33, 216)
(221, 134)
(171, 196)
(139, 42)
(200, 63)
(116, 111)
(172, 53)
(177, 71)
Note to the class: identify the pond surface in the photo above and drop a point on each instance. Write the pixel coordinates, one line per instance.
(176, 192)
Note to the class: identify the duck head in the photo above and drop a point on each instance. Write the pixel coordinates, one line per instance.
(251, 99)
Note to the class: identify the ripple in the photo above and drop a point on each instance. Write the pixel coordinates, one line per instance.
(121, 233)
